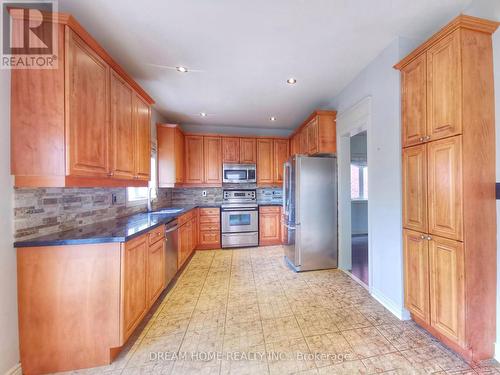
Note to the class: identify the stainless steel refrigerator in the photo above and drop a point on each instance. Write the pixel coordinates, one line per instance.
(310, 212)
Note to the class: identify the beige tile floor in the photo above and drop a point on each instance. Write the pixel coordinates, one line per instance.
(262, 318)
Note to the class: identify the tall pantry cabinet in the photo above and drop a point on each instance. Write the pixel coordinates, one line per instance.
(448, 157)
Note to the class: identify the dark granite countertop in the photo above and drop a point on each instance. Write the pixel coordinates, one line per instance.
(117, 230)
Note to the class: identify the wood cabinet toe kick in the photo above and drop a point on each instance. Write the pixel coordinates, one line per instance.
(79, 304)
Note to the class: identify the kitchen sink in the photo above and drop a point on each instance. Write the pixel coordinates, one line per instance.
(167, 211)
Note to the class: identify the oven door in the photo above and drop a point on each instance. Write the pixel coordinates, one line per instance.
(238, 220)
(234, 176)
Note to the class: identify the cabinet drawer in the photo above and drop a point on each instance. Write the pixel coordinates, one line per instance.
(270, 209)
(185, 217)
(209, 238)
(213, 211)
(210, 227)
(156, 235)
(210, 219)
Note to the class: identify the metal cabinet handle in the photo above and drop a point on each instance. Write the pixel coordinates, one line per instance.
(422, 237)
(429, 238)
(427, 137)
(421, 139)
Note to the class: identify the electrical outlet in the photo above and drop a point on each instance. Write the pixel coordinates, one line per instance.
(204, 193)
(114, 198)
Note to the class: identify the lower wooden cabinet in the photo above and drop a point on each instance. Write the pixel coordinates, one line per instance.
(269, 225)
(135, 294)
(156, 270)
(209, 228)
(188, 237)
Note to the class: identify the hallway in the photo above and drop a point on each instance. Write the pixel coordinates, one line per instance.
(248, 303)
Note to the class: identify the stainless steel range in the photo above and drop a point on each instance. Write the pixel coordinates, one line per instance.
(240, 218)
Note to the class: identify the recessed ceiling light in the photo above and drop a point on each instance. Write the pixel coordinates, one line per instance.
(291, 81)
(272, 118)
(182, 69)
(203, 114)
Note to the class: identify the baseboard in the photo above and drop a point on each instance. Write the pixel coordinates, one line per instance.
(400, 312)
(355, 279)
(15, 370)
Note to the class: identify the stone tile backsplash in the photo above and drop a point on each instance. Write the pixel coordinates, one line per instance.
(182, 196)
(43, 211)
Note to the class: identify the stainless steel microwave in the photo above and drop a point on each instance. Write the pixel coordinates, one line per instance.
(239, 173)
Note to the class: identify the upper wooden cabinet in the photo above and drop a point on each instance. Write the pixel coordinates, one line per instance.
(194, 173)
(413, 101)
(265, 164)
(212, 160)
(81, 123)
(248, 150)
(449, 185)
(316, 135)
(280, 157)
(170, 155)
(230, 150)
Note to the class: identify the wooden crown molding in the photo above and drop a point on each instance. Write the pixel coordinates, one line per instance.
(71, 22)
(460, 22)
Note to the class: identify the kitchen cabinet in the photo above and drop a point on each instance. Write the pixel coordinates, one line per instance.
(209, 228)
(416, 274)
(170, 155)
(447, 288)
(230, 150)
(414, 101)
(194, 173)
(449, 186)
(415, 188)
(248, 150)
(265, 165)
(280, 148)
(156, 269)
(122, 129)
(187, 236)
(88, 116)
(213, 160)
(269, 225)
(316, 135)
(135, 294)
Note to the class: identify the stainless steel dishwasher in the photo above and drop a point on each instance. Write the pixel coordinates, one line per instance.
(171, 240)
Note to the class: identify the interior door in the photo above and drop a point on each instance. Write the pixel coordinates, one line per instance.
(414, 101)
(444, 89)
(415, 188)
(445, 187)
(447, 288)
(416, 273)
(123, 132)
(142, 116)
(87, 111)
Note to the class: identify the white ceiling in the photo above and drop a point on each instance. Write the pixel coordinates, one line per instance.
(246, 49)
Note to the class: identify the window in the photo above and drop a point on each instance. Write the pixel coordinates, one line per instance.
(359, 182)
(139, 195)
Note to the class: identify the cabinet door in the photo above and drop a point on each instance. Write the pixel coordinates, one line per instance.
(123, 135)
(230, 150)
(280, 157)
(194, 159)
(269, 226)
(312, 137)
(416, 273)
(248, 150)
(445, 187)
(195, 230)
(414, 101)
(179, 156)
(142, 117)
(447, 288)
(156, 270)
(415, 188)
(183, 244)
(304, 148)
(265, 165)
(212, 147)
(166, 156)
(87, 110)
(444, 89)
(135, 299)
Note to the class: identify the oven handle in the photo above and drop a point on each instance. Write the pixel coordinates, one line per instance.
(239, 209)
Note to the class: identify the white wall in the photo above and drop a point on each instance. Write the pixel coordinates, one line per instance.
(491, 10)
(9, 344)
(381, 82)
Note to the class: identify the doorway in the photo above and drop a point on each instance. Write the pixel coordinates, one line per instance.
(359, 207)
